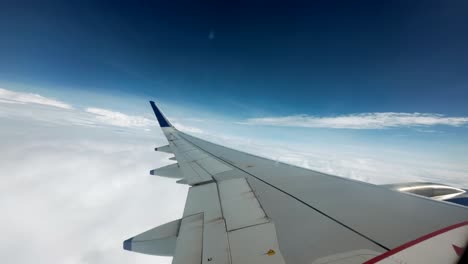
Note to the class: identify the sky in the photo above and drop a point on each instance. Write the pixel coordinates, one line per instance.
(366, 90)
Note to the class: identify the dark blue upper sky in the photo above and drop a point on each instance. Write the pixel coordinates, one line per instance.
(289, 57)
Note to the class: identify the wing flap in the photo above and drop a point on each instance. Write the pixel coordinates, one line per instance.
(240, 206)
(190, 240)
(255, 245)
(203, 199)
(204, 237)
(215, 243)
(228, 222)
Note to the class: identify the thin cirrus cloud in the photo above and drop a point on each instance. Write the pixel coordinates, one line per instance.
(113, 118)
(362, 121)
(8, 96)
(189, 129)
(44, 109)
(21, 105)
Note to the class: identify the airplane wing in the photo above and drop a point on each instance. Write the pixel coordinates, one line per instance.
(242, 208)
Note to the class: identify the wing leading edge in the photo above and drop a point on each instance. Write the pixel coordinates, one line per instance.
(242, 208)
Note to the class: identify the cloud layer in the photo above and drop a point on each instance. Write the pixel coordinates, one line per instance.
(377, 166)
(362, 121)
(8, 96)
(74, 183)
(119, 119)
(52, 111)
(72, 194)
(20, 106)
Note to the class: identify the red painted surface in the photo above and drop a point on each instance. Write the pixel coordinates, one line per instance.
(458, 250)
(414, 242)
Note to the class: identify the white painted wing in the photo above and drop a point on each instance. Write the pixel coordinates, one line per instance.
(243, 208)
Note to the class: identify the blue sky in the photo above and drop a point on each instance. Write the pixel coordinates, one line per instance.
(275, 58)
(245, 60)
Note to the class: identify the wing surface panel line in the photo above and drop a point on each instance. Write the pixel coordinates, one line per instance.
(302, 168)
(296, 198)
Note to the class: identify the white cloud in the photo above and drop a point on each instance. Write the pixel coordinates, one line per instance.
(75, 184)
(362, 121)
(113, 118)
(34, 107)
(188, 129)
(8, 96)
(72, 194)
(379, 166)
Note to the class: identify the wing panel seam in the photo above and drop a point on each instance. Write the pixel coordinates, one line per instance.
(294, 197)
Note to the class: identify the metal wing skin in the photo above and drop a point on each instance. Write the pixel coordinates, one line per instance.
(242, 208)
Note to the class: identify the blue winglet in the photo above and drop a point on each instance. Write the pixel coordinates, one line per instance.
(161, 119)
(127, 244)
